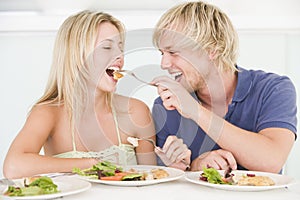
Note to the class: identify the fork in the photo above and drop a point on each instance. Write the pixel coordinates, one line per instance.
(57, 174)
(157, 147)
(131, 73)
(7, 182)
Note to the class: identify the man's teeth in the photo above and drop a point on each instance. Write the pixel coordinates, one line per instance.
(176, 75)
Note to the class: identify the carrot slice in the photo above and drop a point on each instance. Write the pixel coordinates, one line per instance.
(116, 177)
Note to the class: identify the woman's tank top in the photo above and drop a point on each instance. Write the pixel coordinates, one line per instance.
(122, 154)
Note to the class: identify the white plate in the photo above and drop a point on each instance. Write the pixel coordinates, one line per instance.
(174, 174)
(66, 186)
(281, 181)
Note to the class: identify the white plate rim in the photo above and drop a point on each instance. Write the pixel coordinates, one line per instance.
(281, 181)
(174, 175)
(77, 184)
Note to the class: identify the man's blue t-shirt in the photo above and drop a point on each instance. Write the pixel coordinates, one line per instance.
(261, 100)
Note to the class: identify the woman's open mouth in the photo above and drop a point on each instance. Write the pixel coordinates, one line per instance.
(114, 73)
(110, 72)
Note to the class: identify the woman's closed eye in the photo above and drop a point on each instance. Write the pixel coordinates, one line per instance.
(106, 47)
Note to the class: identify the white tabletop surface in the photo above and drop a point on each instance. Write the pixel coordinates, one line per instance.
(181, 190)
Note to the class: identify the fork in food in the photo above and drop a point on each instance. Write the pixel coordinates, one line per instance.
(134, 142)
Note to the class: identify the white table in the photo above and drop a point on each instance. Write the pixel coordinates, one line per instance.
(181, 190)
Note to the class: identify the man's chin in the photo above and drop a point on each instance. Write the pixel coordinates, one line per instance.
(187, 86)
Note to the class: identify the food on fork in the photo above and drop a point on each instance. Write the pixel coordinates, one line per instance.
(133, 140)
(114, 72)
(117, 75)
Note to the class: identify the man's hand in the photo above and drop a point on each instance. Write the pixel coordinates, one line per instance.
(218, 159)
(174, 153)
(175, 96)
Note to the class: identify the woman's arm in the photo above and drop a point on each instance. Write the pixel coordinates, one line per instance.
(23, 158)
(144, 128)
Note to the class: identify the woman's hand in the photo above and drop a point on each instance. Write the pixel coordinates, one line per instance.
(174, 153)
(218, 159)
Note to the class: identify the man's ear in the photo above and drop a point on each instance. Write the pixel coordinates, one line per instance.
(212, 55)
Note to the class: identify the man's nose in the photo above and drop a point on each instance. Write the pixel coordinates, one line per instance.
(165, 62)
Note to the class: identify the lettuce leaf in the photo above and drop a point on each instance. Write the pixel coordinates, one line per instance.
(213, 176)
(40, 186)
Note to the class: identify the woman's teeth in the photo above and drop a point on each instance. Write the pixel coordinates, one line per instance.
(111, 70)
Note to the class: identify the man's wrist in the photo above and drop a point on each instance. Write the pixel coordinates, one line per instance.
(197, 113)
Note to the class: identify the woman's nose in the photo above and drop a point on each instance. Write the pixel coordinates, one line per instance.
(120, 58)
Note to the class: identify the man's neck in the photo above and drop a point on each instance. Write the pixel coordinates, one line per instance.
(219, 92)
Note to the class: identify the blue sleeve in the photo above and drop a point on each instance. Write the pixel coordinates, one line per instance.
(159, 116)
(279, 108)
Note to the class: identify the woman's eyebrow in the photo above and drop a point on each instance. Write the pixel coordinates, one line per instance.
(109, 40)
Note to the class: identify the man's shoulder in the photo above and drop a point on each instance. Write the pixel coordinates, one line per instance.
(261, 78)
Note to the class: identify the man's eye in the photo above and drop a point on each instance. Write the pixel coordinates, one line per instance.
(106, 47)
(172, 52)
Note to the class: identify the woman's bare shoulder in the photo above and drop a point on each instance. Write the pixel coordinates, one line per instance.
(131, 104)
(48, 113)
(139, 112)
(46, 109)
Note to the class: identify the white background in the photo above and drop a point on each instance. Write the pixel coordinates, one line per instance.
(269, 34)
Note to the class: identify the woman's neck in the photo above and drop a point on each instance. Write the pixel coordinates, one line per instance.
(99, 100)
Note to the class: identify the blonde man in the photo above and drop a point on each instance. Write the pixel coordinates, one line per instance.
(79, 120)
(228, 116)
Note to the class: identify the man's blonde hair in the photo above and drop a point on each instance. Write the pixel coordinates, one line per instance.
(207, 26)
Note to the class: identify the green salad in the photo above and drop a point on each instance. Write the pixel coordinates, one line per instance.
(40, 186)
(105, 168)
(109, 172)
(212, 175)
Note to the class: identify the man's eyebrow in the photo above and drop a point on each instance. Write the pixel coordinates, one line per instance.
(166, 48)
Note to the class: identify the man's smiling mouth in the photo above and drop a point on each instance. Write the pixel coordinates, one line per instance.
(176, 75)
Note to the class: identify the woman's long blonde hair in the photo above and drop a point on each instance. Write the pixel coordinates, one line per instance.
(207, 26)
(75, 42)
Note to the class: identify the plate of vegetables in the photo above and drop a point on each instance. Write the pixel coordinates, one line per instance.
(239, 180)
(134, 175)
(42, 187)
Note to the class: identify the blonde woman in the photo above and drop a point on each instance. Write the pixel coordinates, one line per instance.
(228, 116)
(79, 120)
